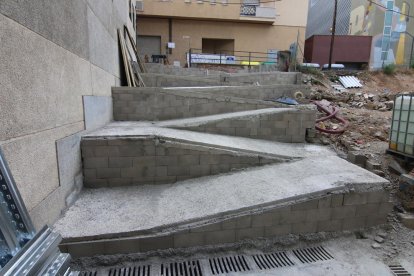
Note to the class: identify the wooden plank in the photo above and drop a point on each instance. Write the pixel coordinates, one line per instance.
(124, 57)
(135, 48)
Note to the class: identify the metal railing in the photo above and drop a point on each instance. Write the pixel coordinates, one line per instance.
(240, 58)
(257, 11)
(248, 10)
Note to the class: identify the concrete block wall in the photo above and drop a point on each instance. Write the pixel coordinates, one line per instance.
(123, 161)
(153, 104)
(335, 212)
(262, 92)
(264, 78)
(287, 126)
(52, 54)
(160, 80)
(179, 71)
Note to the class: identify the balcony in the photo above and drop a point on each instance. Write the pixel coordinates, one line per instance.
(257, 11)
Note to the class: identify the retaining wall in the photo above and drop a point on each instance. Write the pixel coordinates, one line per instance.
(262, 92)
(175, 70)
(160, 80)
(264, 78)
(153, 104)
(135, 161)
(336, 212)
(286, 126)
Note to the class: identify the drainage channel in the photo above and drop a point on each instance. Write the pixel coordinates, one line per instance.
(223, 265)
(398, 270)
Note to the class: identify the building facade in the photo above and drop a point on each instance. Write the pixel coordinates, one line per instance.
(389, 22)
(59, 60)
(219, 27)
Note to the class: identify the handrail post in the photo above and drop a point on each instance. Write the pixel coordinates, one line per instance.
(189, 58)
(250, 57)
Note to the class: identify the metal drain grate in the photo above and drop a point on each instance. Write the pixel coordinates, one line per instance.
(142, 270)
(398, 270)
(313, 254)
(228, 264)
(188, 268)
(272, 260)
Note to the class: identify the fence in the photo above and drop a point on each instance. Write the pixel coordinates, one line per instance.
(243, 58)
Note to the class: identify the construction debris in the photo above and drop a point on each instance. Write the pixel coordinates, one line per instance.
(350, 82)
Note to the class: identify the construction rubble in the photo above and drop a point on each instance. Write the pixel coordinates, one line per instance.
(366, 139)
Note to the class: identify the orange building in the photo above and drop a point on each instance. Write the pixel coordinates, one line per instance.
(219, 27)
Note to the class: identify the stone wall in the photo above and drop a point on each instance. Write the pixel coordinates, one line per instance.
(335, 212)
(123, 161)
(153, 104)
(52, 54)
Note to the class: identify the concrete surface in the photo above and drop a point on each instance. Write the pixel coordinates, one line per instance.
(33, 162)
(156, 207)
(52, 54)
(97, 111)
(66, 21)
(70, 166)
(141, 129)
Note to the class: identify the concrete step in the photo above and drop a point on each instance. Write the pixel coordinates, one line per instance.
(287, 125)
(153, 104)
(317, 193)
(134, 154)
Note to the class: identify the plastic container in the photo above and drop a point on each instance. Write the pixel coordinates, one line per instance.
(402, 126)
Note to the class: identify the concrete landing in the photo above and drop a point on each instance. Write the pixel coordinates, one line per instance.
(135, 211)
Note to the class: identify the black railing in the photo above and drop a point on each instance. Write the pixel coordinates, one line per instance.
(248, 10)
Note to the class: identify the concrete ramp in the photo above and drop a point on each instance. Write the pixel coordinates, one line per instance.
(196, 166)
(135, 154)
(276, 124)
(319, 193)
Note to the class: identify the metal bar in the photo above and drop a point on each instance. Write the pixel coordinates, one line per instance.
(333, 34)
(408, 122)
(16, 195)
(399, 121)
(189, 58)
